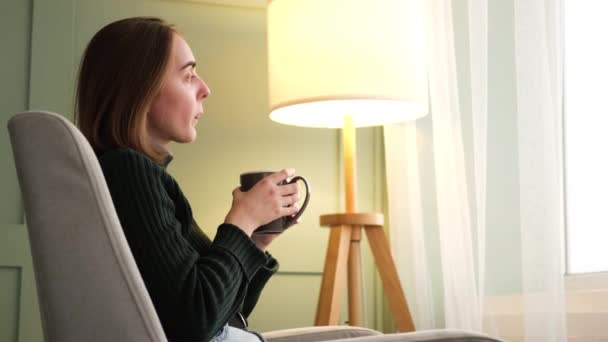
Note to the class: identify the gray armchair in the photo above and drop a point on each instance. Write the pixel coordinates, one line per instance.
(88, 284)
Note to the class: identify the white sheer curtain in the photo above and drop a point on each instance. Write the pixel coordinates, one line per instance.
(539, 40)
(463, 258)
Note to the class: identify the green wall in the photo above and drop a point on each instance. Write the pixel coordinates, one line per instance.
(43, 41)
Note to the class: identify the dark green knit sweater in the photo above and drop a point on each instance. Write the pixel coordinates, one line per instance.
(196, 285)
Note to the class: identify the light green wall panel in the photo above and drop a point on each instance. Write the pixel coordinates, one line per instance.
(19, 318)
(15, 37)
(23, 318)
(53, 60)
(10, 279)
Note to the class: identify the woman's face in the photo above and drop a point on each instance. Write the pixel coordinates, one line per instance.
(179, 104)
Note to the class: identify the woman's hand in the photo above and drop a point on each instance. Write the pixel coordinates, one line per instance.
(265, 202)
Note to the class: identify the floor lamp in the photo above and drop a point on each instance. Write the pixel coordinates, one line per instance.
(347, 64)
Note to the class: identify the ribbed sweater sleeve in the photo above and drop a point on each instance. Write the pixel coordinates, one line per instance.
(193, 294)
(201, 242)
(257, 284)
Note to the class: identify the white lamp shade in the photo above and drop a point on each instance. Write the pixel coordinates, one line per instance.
(331, 58)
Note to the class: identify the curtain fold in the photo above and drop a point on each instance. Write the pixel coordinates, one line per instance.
(538, 61)
(443, 246)
(461, 302)
(478, 61)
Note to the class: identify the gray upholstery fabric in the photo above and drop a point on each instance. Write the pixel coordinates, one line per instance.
(88, 284)
(313, 334)
(89, 287)
(444, 335)
(355, 334)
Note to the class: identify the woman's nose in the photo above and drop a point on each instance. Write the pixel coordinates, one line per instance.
(204, 91)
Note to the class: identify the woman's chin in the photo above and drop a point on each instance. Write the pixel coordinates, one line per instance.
(186, 139)
(192, 137)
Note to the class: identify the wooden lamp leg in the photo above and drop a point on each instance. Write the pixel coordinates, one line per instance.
(344, 239)
(354, 278)
(334, 274)
(390, 279)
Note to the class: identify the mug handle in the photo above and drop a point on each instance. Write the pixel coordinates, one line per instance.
(293, 219)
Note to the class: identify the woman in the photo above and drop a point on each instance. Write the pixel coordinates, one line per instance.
(137, 92)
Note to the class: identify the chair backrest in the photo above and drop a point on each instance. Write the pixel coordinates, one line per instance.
(89, 287)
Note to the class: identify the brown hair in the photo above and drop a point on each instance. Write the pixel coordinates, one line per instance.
(120, 74)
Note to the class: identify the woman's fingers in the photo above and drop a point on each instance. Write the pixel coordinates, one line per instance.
(289, 189)
(282, 190)
(289, 200)
(291, 210)
(282, 175)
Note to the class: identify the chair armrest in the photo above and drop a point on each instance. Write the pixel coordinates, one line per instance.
(438, 335)
(346, 333)
(321, 333)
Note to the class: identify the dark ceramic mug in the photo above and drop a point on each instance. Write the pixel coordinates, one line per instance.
(249, 179)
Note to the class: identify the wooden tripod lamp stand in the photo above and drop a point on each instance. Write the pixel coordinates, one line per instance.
(347, 64)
